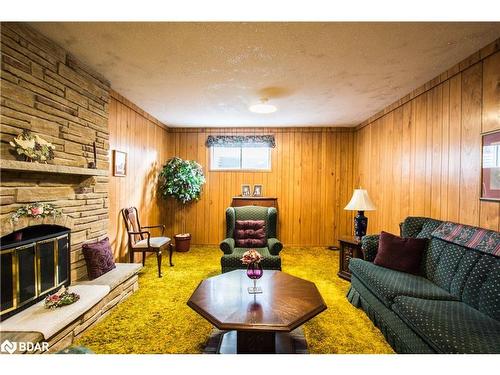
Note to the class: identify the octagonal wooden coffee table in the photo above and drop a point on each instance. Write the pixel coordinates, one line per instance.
(256, 323)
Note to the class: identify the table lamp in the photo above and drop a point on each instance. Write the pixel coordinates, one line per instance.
(360, 202)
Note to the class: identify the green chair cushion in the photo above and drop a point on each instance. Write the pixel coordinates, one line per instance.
(233, 261)
(489, 297)
(482, 286)
(387, 284)
(369, 245)
(397, 333)
(413, 225)
(471, 276)
(449, 326)
(419, 227)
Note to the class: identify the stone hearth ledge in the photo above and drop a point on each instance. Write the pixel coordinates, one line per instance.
(61, 326)
(48, 322)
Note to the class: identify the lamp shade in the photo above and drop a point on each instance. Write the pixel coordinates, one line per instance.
(360, 201)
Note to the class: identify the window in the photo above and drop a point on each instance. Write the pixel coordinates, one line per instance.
(240, 158)
(240, 152)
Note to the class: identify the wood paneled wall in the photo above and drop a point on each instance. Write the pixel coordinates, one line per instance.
(145, 141)
(422, 155)
(312, 173)
(419, 156)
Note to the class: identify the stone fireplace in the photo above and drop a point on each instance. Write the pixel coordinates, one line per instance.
(48, 91)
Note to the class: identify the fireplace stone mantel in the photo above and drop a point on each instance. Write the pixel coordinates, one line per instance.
(15, 165)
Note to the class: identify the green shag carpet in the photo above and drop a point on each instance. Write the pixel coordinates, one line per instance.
(156, 318)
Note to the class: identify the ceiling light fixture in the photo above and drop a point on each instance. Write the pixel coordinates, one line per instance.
(262, 107)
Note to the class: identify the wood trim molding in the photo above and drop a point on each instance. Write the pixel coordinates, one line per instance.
(250, 130)
(137, 109)
(476, 57)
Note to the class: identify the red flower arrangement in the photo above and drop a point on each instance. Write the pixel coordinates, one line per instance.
(61, 298)
(37, 210)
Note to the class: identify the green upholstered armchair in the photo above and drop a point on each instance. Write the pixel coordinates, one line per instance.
(230, 261)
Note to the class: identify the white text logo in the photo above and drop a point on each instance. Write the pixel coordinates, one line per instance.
(23, 346)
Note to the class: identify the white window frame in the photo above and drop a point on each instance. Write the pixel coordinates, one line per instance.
(240, 169)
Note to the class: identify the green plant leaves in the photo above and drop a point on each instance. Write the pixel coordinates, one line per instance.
(182, 180)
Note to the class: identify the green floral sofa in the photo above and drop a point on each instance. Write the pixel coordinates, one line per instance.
(453, 306)
(271, 260)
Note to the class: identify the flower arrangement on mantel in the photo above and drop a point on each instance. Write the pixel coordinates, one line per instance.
(36, 210)
(33, 148)
(62, 297)
(250, 257)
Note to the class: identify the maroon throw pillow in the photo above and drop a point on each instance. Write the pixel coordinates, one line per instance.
(400, 254)
(98, 257)
(250, 233)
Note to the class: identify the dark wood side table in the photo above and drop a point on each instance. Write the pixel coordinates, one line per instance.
(350, 247)
(255, 201)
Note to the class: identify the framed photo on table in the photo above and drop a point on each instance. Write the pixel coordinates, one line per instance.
(119, 163)
(245, 190)
(490, 167)
(257, 190)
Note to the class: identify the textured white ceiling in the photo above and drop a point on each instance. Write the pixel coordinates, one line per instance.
(317, 74)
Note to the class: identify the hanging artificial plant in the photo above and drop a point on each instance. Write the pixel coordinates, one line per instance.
(182, 180)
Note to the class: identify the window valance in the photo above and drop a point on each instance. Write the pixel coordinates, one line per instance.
(241, 141)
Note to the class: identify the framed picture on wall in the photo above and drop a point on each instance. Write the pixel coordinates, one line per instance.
(490, 167)
(119, 163)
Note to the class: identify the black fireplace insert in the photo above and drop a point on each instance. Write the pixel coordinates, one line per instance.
(34, 262)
